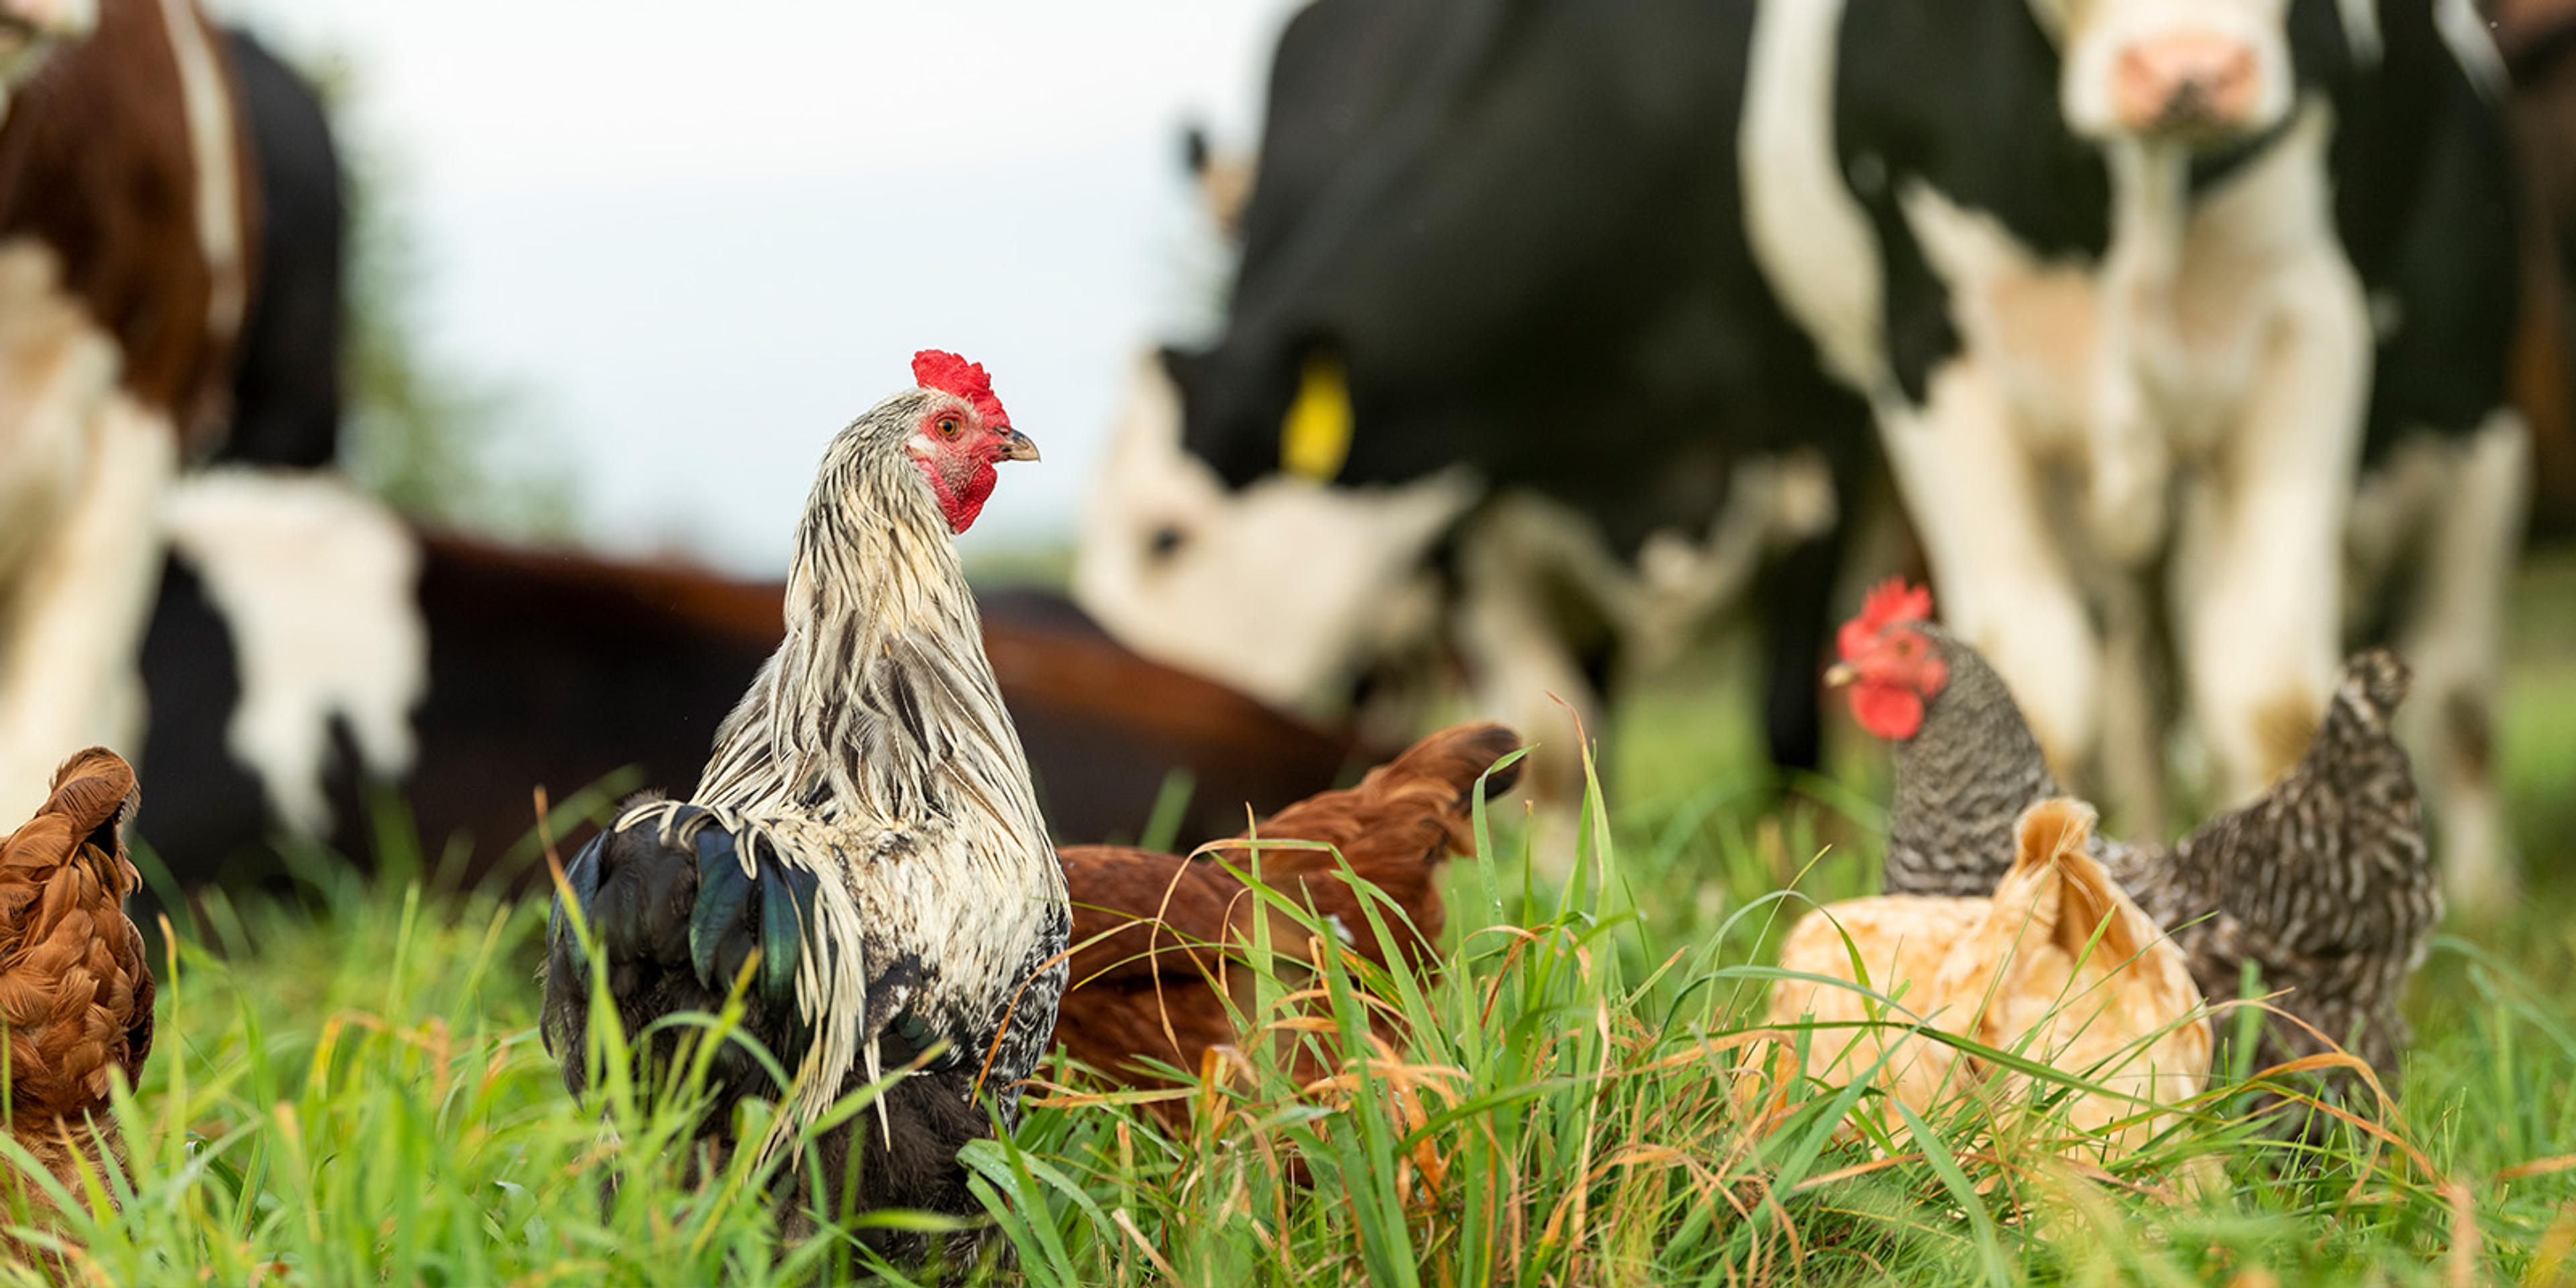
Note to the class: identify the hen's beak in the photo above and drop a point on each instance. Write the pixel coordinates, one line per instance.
(1017, 447)
(1840, 674)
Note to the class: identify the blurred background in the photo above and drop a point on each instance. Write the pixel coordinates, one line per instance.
(1391, 360)
(586, 264)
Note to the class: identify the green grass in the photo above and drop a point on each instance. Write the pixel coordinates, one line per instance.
(356, 1095)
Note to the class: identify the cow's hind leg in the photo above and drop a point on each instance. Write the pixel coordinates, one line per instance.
(2453, 635)
(75, 623)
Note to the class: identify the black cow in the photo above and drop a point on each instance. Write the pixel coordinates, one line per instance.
(1504, 240)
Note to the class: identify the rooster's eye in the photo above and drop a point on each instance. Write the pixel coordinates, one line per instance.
(948, 426)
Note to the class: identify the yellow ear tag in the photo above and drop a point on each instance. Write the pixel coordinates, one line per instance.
(1315, 437)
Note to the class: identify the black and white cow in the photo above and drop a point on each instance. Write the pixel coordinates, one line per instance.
(1495, 364)
(2136, 286)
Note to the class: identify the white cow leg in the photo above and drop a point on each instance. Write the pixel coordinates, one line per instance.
(1974, 496)
(1515, 653)
(2133, 746)
(2260, 562)
(2453, 636)
(77, 619)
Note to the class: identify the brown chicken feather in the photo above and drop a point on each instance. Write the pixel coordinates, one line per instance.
(1156, 934)
(75, 988)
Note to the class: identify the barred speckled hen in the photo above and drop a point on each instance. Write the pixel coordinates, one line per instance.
(2324, 884)
(867, 827)
(1967, 764)
(75, 986)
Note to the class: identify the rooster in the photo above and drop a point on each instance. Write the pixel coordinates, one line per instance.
(75, 987)
(1152, 931)
(865, 842)
(2057, 965)
(2324, 884)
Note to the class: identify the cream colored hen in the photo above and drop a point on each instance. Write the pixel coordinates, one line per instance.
(2058, 966)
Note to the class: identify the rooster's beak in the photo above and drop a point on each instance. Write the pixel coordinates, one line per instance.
(1017, 447)
(1840, 674)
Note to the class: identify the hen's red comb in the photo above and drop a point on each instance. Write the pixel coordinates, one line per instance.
(950, 374)
(1893, 602)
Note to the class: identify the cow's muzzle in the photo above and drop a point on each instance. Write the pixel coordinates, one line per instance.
(2186, 82)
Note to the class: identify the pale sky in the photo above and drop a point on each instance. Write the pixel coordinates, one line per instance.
(702, 237)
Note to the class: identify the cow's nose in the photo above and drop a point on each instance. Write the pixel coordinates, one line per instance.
(2185, 81)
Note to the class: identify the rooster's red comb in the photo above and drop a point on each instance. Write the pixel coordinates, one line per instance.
(1891, 603)
(950, 374)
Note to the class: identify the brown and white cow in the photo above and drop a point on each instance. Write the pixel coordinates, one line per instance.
(126, 233)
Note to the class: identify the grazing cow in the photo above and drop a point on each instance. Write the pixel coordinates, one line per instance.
(308, 653)
(2206, 258)
(127, 240)
(1493, 369)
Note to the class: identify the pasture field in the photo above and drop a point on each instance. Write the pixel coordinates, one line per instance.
(359, 1097)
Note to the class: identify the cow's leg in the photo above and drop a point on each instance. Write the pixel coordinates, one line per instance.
(2259, 564)
(1522, 669)
(2133, 726)
(1975, 497)
(2453, 636)
(1795, 598)
(77, 617)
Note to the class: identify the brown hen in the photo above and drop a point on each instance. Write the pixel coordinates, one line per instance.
(75, 988)
(1157, 935)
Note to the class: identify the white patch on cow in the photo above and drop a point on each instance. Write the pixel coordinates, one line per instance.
(2462, 503)
(2361, 31)
(207, 102)
(2256, 569)
(77, 606)
(1975, 495)
(1811, 237)
(56, 371)
(80, 472)
(317, 584)
(2130, 449)
(1277, 590)
(2472, 42)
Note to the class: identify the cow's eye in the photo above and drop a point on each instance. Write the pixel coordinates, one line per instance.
(1166, 541)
